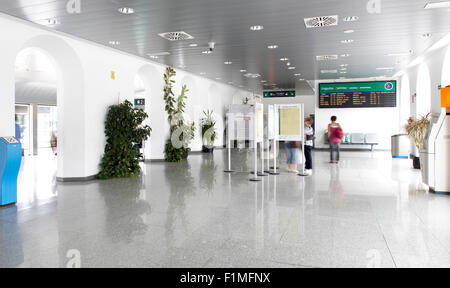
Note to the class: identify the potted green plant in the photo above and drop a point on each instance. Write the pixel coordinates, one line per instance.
(209, 133)
(124, 130)
(417, 130)
(181, 133)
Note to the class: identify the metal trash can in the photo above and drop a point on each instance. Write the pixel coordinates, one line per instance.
(400, 146)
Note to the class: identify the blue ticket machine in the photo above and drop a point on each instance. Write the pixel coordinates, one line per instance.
(10, 160)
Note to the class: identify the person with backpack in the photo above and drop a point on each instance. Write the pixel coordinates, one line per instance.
(335, 135)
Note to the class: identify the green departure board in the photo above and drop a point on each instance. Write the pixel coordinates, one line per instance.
(358, 94)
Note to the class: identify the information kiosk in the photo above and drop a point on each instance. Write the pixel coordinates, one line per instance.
(10, 160)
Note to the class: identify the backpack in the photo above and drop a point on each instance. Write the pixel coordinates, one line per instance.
(340, 133)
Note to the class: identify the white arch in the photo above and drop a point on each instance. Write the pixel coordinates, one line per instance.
(152, 80)
(445, 81)
(405, 99)
(423, 103)
(70, 101)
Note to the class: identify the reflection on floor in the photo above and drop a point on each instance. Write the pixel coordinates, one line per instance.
(364, 212)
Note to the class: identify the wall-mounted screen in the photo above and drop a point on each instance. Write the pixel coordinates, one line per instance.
(358, 94)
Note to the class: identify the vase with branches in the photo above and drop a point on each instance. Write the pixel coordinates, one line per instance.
(417, 130)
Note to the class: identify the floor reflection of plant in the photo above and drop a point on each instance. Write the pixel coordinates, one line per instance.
(208, 173)
(124, 208)
(181, 183)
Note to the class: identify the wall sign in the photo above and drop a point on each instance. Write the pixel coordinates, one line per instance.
(358, 94)
(279, 94)
(139, 102)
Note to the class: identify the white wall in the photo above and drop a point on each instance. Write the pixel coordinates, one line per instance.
(382, 121)
(85, 90)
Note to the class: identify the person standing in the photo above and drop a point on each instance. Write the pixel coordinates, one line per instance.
(309, 138)
(335, 135)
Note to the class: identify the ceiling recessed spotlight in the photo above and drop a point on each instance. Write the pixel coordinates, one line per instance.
(153, 56)
(252, 75)
(263, 81)
(301, 79)
(350, 31)
(437, 5)
(347, 41)
(256, 28)
(242, 70)
(207, 52)
(298, 74)
(343, 72)
(193, 45)
(343, 69)
(351, 18)
(113, 42)
(288, 64)
(385, 68)
(344, 65)
(284, 59)
(272, 46)
(346, 55)
(227, 62)
(291, 68)
(126, 10)
(51, 22)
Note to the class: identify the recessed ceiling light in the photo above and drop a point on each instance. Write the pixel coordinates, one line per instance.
(193, 45)
(252, 75)
(202, 73)
(51, 22)
(126, 10)
(165, 53)
(227, 62)
(301, 79)
(113, 42)
(207, 52)
(272, 46)
(343, 72)
(351, 18)
(291, 68)
(327, 57)
(437, 5)
(263, 81)
(153, 56)
(385, 68)
(344, 65)
(298, 74)
(288, 64)
(242, 70)
(349, 31)
(346, 55)
(347, 41)
(256, 28)
(284, 59)
(218, 78)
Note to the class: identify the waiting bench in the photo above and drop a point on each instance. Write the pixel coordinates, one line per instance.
(365, 139)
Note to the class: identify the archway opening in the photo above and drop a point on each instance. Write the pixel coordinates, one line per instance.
(423, 101)
(36, 124)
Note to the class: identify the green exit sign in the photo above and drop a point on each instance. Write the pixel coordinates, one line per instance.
(279, 94)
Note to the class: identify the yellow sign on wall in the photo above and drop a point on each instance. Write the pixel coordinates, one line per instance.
(113, 75)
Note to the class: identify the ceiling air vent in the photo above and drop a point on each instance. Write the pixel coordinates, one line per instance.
(327, 57)
(321, 21)
(176, 36)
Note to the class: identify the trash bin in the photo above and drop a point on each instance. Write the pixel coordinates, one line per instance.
(400, 146)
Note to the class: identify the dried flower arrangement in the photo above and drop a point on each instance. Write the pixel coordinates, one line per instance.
(417, 129)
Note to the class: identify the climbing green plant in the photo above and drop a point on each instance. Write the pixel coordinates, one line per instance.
(124, 131)
(181, 133)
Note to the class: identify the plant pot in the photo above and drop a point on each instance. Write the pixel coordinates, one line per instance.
(416, 162)
(207, 149)
(185, 155)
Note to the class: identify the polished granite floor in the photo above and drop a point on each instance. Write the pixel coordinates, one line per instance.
(364, 212)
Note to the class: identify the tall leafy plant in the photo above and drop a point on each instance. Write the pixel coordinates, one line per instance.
(181, 133)
(123, 130)
(207, 125)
